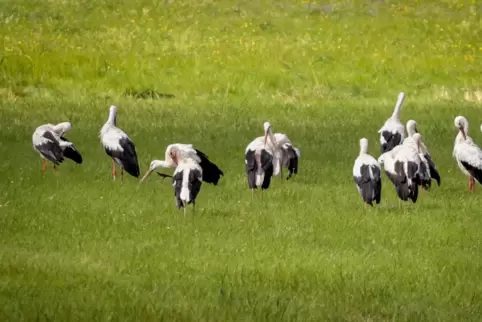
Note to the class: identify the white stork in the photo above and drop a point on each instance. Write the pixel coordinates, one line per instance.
(177, 152)
(260, 161)
(119, 146)
(425, 155)
(467, 153)
(49, 141)
(403, 166)
(392, 132)
(286, 155)
(367, 175)
(187, 181)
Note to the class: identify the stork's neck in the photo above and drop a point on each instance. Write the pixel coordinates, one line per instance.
(363, 148)
(112, 118)
(272, 140)
(396, 112)
(411, 131)
(398, 107)
(156, 164)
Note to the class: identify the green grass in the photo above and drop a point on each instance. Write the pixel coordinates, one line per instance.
(75, 246)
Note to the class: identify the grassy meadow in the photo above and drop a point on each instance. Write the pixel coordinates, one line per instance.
(76, 246)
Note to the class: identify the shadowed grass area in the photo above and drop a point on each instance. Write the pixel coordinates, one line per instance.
(77, 246)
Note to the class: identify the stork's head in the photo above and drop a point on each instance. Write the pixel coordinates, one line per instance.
(462, 124)
(155, 164)
(267, 131)
(411, 128)
(62, 128)
(363, 146)
(173, 153)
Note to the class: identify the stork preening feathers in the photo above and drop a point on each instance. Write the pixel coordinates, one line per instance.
(187, 181)
(192, 167)
(266, 156)
(367, 175)
(467, 154)
(425, 155)
(258, 159)
(285, 153)
(49, 141)
(392, 132)
(119, 147)
(405, 169)
(178, 152)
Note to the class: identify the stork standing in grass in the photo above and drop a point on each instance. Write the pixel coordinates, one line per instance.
(260, 161)
(425, 155)
(187, 181)
(367, 175)
(392, 132)
(49, 141)
(467, 154)
(119, 147)
(285, 154)
(403, 166)
(177, 152)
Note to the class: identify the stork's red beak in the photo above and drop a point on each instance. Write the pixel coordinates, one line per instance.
(145, 175)
(463, 132)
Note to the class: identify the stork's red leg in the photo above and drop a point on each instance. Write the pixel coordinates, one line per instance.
(472, 184)
(113, 169)
(44, 165)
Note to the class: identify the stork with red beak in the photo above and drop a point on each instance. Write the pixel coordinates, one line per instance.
(177, 152)
(467, 154)
(119, 146)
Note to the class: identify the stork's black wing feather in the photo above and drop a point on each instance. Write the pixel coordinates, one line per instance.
(211, 172)
(50, 149)
(71, 152)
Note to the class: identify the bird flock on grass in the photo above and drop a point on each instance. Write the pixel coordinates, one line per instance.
(405, 159)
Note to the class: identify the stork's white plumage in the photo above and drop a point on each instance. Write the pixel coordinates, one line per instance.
(119, 146)
(259, 162)
(367, 175)
(467, 153)
(403, 166)
(286, 155)
(392, 132)
(424, 154)
(177, 152)
(187, 181)
(49, 141)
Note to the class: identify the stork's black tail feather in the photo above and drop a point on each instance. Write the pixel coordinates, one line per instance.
(132, 168)
(73, 154)
(435, 175)
(211, 172)
(474, 171)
